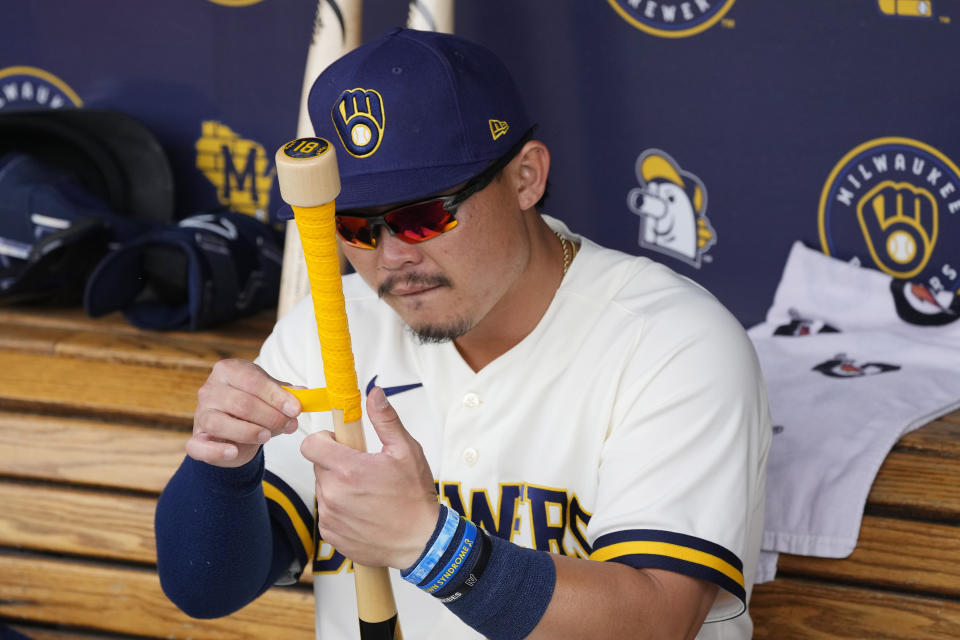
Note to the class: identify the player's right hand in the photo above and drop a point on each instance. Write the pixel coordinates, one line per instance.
(239, 408)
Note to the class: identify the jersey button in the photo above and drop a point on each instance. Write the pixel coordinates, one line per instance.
(471, 400)
(470, 456)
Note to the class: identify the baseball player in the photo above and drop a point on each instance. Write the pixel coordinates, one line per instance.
(564, 441)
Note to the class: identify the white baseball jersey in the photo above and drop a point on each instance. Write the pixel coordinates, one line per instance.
(630, 425)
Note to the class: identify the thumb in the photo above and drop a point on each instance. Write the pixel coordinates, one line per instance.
(385, 420)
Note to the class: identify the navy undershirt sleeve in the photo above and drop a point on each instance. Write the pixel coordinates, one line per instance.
(217, 548)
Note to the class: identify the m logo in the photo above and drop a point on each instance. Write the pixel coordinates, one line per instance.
(672, 19)
(672, 205)
(892, 202)
(237, 167)
(359, 119)
(30, 88)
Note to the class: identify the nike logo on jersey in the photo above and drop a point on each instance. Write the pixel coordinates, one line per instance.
(392, 391)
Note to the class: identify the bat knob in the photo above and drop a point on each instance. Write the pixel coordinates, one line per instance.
(307, 172)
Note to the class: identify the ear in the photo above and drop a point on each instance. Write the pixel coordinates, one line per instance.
(533, 166)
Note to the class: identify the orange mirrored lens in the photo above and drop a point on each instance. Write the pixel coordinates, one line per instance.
(420, 222)
(356, 232)
(413, 223)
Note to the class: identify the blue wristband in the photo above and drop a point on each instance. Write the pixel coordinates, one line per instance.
(432, 555)
(511, 595)
(456, 560)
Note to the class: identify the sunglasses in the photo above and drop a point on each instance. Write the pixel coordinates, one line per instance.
(420, 221)
(412, 223)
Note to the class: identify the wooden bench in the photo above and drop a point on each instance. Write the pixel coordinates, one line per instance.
(93, 417)
(903, 579)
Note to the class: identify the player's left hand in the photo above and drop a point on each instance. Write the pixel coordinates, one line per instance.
(378, 509)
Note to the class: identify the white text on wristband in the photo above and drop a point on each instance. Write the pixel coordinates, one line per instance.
(456, 562)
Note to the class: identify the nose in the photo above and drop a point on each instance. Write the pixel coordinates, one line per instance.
(394, 253)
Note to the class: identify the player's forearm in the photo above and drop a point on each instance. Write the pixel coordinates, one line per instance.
(510, 592)
(216, 550)
(611, 600)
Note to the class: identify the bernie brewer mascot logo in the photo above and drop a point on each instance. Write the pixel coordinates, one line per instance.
(672, 18)
(672, 205)
(894, 203)
(32, 88)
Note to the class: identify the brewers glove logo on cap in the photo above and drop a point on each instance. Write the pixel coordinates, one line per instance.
(671, 19)
(359, 119)
(892, 203)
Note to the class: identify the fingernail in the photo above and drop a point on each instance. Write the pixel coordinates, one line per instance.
(379, 398)
(291, 408)
(263, 437)
(230, 452)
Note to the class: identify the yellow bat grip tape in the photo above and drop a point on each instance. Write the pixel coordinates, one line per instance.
(318, 237)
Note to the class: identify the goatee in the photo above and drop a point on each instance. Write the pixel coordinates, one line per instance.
(437, 334)
(426, 333)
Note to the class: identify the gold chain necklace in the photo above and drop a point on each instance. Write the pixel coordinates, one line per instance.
(569, 250)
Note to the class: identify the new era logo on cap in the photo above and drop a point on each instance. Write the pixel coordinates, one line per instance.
(498, 128)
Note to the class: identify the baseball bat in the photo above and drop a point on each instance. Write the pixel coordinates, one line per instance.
(310, 182)
(431, 15)
(336, 30)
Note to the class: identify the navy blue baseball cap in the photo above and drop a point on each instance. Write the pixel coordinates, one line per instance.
(53, 230)
(414, 113)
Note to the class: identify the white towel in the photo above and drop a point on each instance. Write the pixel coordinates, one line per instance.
(847, 377)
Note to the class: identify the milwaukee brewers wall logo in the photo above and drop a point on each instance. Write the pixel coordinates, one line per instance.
(30, 88)
(894, 203)
(237, 167)
(359, 118)
(672, 18)
(672, 205)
